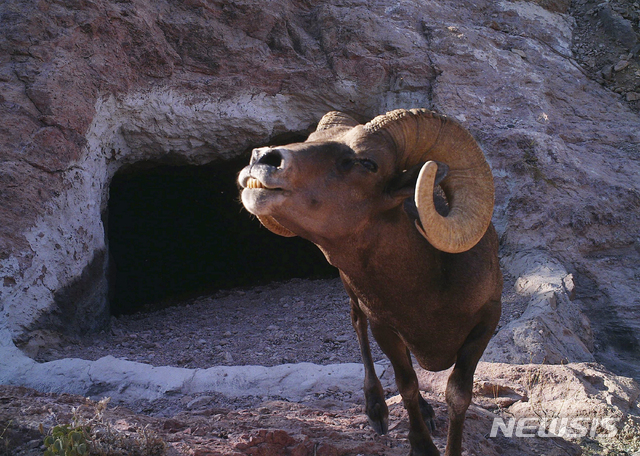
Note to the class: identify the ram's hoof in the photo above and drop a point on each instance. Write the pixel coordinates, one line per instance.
(428, 414)
(378, 416)
(381, 426)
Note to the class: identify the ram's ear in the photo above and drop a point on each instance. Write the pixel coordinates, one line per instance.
(443, 170)
(404, 185)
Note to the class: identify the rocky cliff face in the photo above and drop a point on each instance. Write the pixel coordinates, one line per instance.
(90, 86)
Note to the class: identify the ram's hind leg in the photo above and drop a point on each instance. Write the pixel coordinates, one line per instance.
(375, 404)
(460, 383)
(407, 381)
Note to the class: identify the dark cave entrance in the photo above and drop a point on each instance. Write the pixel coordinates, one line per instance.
(176, 232)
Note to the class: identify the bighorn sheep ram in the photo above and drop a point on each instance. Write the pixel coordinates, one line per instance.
(421, 268)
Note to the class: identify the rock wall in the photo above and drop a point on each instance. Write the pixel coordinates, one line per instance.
(90, 86)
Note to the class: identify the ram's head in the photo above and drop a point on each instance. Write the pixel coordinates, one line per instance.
(346, 177)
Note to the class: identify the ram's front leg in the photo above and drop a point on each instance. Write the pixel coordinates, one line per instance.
(375, 404)
(460, 384)
(407, 382)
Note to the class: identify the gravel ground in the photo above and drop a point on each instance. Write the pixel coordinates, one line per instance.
(287, 322)
(606, 44)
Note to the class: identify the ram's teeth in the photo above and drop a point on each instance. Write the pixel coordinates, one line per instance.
(254, 183)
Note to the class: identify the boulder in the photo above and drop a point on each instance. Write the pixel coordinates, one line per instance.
(562, 400)
(552, 328)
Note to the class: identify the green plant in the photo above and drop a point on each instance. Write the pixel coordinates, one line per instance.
(66, 440)
(96, 436)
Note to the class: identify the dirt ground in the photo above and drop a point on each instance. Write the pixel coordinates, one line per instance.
(327, 427)
(289, 322)
(295, 321)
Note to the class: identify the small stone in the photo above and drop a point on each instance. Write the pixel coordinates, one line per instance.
(184, 360)
(272, 328)
(519, 52)
(633, 96)
(621, 65)
(228, 357)
(199, 402)
(607, 72)
(227, 334)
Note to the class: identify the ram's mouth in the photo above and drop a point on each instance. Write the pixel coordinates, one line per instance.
(252, 182)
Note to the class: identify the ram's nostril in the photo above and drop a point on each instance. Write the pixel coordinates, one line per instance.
(272, 157)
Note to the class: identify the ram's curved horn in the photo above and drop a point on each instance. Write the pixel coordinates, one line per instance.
(334, 119)
(273, 226)
(420, 136)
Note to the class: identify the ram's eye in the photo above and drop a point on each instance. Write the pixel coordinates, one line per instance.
(369, 164)
(346, 164)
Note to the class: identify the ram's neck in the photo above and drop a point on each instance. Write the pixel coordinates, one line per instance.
(387, 250)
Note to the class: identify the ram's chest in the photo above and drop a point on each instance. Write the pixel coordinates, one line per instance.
(387, 300)
(421, 320)
(402, 314)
